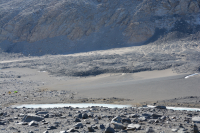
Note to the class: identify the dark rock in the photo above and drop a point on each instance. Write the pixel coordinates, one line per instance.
(77, 120)
(127, 120)
(90, 129)
(161, 107)
(109, 130)
(78, 115)
(51, 128)
(46, 116)
(195, 128)
(85, 116)
(142, 118)
(23, 123)
(2, 122)
(71, 130)
(102, 126)
(134, 115)
(155, 116)
(42, 113)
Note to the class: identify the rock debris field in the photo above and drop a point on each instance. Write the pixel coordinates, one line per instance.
(98, 119)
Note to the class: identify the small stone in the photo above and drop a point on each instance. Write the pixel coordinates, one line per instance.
(102, 126)
(63, 132)
(46, 116)
(78, 125)
(90, 129)
(78, 115)
(87, 121)
(149, 130)
(51, 127)
(23, 123)
(77, 120)
(32, 123)
(71, 130)
(133, 127)
(127, 120)
(134, 115)
(174, 130)
(95, 127)
(42, 113)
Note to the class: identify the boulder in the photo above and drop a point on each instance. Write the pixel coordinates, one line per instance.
(85, 116)
(109, 130)
(78, 125)
(118, 126)
(116, 119)
(196, 119)
(32, 117)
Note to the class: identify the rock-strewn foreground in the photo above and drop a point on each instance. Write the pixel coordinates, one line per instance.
(98, 119)
(38, 27)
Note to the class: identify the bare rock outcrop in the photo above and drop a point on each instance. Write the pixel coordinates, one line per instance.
(102, 23)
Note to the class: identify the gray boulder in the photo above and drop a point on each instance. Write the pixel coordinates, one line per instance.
(32, 117)
(116, 119)
(78, 125)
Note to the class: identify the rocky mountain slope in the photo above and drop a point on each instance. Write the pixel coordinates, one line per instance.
(66, 26)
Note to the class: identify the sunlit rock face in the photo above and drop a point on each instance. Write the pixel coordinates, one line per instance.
(99, 24)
